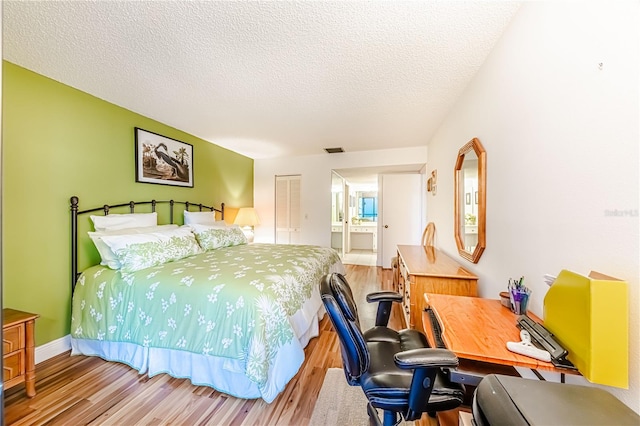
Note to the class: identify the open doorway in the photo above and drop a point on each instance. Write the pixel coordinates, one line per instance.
(354, 213)
(362, 214)
(358, 235)
(338, 188)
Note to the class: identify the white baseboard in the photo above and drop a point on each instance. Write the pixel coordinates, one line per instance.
(53, 348)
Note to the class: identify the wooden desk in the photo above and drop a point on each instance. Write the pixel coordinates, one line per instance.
(478, 329)
(427, 270)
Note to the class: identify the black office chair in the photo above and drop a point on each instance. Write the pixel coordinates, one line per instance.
(397, 370)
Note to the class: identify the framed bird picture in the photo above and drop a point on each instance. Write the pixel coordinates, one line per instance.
(162, 160)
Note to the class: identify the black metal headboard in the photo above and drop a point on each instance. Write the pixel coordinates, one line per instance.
(75, 212)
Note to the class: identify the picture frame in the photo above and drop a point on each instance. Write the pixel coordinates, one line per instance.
(162, 160)
(468, 198)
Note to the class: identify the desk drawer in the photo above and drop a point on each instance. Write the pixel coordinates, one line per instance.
(13, 365)
(13, 338)
(406, 304)
(403, 269)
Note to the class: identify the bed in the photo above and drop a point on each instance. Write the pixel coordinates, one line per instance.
(222, 313)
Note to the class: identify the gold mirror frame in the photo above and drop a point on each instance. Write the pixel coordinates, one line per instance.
(460, 194)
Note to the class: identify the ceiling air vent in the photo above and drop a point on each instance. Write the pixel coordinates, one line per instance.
(333, 150)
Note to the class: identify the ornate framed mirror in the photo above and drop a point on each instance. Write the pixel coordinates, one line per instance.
(470, 200)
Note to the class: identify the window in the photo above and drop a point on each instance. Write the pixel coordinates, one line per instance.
(368, 208)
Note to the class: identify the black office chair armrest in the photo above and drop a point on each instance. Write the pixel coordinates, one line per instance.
(385, 300)
(383, 296)
(425, 363)
(426, 358)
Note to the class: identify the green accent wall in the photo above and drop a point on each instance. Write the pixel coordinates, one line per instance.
(59, 141)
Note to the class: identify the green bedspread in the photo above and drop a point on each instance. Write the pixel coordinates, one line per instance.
(231, 302)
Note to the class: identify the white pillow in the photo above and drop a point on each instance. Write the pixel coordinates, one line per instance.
(140, 251)
(113, 222)
(108, 258)
(203, 218)
(213, 237)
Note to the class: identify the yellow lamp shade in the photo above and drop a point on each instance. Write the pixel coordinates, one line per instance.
(247, 216)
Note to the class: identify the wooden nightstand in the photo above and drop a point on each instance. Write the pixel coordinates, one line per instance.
(18, 349)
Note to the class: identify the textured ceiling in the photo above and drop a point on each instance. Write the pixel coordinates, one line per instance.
(266, 79)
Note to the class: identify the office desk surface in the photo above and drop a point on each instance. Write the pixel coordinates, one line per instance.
(479, 329)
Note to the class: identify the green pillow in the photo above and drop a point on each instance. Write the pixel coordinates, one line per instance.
(213, 237)
(141, 251)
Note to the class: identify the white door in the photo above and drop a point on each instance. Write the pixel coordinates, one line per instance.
(401, 213)
(288, 209)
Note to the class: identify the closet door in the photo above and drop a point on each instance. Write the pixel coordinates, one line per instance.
(288, 209)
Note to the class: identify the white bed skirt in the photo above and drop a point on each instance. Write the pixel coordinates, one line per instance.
(223, 374)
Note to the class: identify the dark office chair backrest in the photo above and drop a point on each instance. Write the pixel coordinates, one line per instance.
(342, 310)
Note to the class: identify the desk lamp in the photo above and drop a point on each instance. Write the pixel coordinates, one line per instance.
(247, 218)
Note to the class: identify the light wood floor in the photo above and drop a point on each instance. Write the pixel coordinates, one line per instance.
(87, 390)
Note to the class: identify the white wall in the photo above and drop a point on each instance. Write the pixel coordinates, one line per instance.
(316, 186)
(562, 139)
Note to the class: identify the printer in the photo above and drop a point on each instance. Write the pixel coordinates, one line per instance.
(515, 401)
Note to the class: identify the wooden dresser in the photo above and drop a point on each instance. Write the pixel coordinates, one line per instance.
(18, 349)
(427, 270)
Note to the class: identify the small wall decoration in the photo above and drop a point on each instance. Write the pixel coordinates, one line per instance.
(162, 160)
(432, 182)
